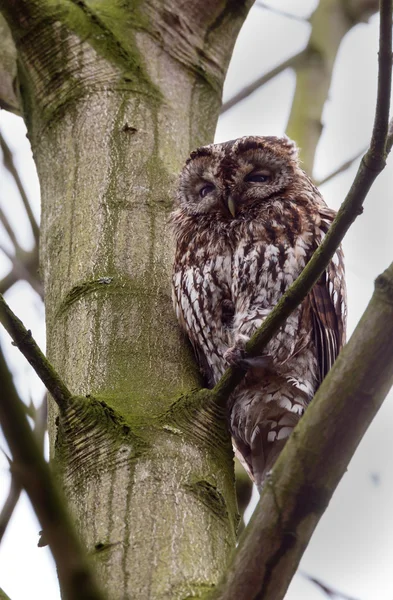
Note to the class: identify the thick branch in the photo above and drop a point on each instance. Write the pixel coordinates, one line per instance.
(29, 348)
(255, 85)
(32, 472)
(316, 457)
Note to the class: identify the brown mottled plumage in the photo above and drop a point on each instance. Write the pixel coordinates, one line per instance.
(247, 220)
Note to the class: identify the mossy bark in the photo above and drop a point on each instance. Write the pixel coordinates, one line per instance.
(115, 95)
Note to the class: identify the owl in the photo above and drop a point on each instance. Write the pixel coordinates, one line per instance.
(246, 221)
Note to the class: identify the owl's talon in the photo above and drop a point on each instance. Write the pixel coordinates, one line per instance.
(235, 356)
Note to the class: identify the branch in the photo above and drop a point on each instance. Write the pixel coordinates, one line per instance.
(281, 13)
(341, 168)
(255, 85)
(9, 164)
(3, 595)
(24, 341)
(315, 457)
(7, 226)
(9, 505)
(34, 476)
(327, 589)
(23, 267)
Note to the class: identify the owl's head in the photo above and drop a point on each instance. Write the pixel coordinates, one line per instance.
(225, 180)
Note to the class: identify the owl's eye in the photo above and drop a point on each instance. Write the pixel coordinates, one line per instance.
(260, 177)
(206, 189)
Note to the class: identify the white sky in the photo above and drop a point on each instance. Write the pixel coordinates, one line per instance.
(352, 548)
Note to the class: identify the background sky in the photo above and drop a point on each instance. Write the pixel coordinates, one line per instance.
(352, 548)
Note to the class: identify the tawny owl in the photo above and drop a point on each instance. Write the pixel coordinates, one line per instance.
(247, 220)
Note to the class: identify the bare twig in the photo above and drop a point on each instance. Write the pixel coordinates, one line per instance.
(255, 85)
(9, 505)
(33, 474)
(24, 266)
(281, 13)
(348, 163)
(327, 589)
(29, 348)
(39, 417)
(7, 226)
(10, 166)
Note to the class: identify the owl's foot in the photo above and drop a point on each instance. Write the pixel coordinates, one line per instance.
(236, 356)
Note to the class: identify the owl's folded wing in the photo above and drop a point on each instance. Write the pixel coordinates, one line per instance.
(328, 306)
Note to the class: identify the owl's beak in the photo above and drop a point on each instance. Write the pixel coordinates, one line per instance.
(232, 206)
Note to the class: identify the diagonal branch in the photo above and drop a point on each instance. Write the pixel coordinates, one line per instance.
(29, 348)
(10, 166)
(33, 474)
(327, 589)
(315, 457)
(281, 13)
(255, 85)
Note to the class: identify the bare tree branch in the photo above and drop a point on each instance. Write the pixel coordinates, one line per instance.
(9, 505)
(10, 166)
(327, 589)
(281, 13)
(348, 163)
(255, 85)
(33, 474)
(315, 457)
(24, 266)
(10, 232)
(29, 348)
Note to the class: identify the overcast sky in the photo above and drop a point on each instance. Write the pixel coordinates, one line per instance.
(352, 548)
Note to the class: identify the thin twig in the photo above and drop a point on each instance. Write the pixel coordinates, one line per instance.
(31, 351)
(371, 165)
(252, 87)
(15, 486)
(32, 472)
(281, 13)
(10, 166)
(327, 589)
(341, 168)
(7, 226)
(9, 505)
(25, 269)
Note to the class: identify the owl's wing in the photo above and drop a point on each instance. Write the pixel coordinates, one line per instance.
(328, 305)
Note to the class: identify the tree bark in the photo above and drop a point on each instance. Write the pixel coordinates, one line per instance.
(114, 97)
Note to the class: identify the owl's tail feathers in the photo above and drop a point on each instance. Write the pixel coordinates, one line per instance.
(267, 440)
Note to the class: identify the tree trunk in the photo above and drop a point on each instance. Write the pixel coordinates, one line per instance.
(115, 95)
